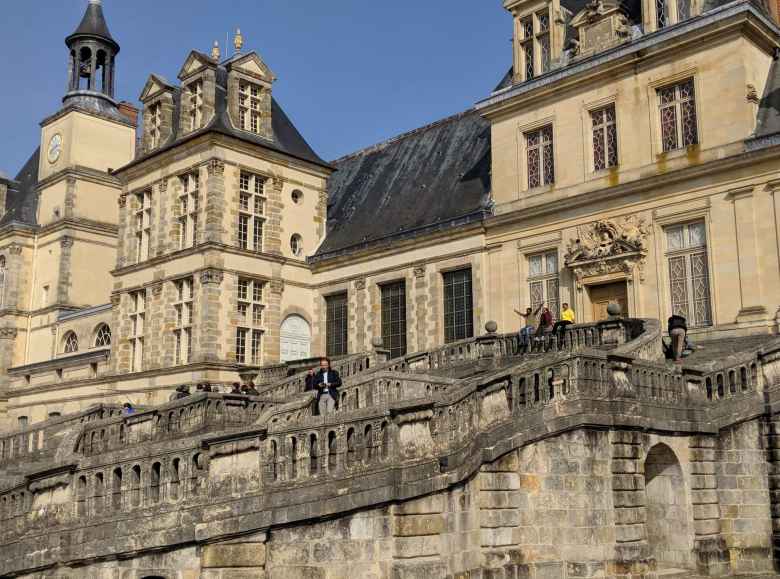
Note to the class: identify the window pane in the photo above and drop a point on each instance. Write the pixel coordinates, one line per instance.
(551, 260)
(674, 237)
(336, 319)
(458, 306)
(535, 265)
(697, 237)
(394, 318)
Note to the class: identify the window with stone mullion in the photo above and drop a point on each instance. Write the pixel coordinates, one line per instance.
(143, 226)
(250, 308)
(544, 281)
(677, 107)
(155, 122)
(336, 325)
(605, 152)
(689, 273)
(183, 307)
(539, 157)
(195, 92)
(251, 218)
(394, 318)
(137, 318)
(188, 210)
(458, 306)
(249, 105)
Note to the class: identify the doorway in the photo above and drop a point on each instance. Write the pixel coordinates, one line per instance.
(669, 531)
(295, 340)
(603, 295)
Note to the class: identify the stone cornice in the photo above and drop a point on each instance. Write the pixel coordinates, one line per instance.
(79, 224)
(81, 173)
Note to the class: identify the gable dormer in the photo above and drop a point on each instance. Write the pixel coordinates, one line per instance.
(602, 24)
(198, 79)
(250, 83)
(539, 35)
(159, 100)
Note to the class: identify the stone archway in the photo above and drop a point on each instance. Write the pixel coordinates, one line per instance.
(295, 339)
(669, 528)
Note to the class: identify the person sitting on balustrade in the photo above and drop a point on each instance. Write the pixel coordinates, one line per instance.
(181, 392)
(567, 319)
(678, 332)
(545, 323)
(531, 319)
(251, 390)
(235, 388)
(326, 382)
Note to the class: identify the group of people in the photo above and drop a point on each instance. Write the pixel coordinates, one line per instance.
(183, 391)
(538, 322)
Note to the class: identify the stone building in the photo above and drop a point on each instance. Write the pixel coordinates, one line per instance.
(628, 156)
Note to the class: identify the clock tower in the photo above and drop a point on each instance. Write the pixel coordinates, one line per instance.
(77, 213)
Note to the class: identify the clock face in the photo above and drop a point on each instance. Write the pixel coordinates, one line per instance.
(55, 148)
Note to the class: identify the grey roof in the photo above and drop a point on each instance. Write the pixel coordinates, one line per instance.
(768, 118)
(93, 25)
(21, 203)
(431, 178)
(286, 138)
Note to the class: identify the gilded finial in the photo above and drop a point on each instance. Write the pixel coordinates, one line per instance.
(238, 41)
(215, 53)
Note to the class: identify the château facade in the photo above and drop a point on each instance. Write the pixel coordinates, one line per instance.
(630, 155)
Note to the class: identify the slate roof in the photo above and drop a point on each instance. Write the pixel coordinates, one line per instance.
(93, 24)
(286, 137)
(21, 202)
(431, 178)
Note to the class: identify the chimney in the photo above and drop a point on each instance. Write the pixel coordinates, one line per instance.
(129, 111)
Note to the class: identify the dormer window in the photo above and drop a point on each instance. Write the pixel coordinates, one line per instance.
(534, 35)
(249, 107)
(155, 124)
(195, 96)
(668, 12)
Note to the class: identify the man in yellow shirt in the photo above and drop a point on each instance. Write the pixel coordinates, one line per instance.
(567, 319)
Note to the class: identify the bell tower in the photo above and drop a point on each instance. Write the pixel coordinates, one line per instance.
(92, 65)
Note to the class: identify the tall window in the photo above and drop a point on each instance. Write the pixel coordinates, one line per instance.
(336, 325)
(103, 336)
(184, 313)
(71, 343)
(155, 125)
(195, 96)
(251, 211)
(249, 107)
(394, 318)
(458, 306)
(143, 226)
(605, 143)
(2, 281)
(535, 44)
(689, 273)
(677, 107)
(539, 153)
(543, 281)
(137, 326)
(188, 208)
(249, 334)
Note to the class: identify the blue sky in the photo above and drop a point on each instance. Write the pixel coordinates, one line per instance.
(350, 72)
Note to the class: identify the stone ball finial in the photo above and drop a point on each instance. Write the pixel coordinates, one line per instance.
(614, 310)
(491, 327)
(377, 342)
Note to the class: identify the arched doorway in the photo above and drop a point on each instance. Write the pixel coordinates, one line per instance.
(295, 339)
(669, 532)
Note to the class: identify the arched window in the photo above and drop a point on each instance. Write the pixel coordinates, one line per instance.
(2, 281)
(103, 336)
(71, 342)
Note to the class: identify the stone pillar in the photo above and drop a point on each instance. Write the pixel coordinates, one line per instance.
(64, 280)
(273, 321)
(69, 206)
(273, 225)
(213, 230)
(14, 277)
(743, 492)
(421, 299)
(359, 305)
(416, 538)
(209, 337)
(120, 348)
(7, 342)
(245, 558)
(122, 244)
(159, 323)
(751, 294)
(632, 553)
(165, 208)
(709, 547)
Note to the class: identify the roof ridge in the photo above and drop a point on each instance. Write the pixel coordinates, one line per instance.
(413, 132)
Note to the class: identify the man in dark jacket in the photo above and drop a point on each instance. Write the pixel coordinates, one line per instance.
(678, 329)
(326, 382)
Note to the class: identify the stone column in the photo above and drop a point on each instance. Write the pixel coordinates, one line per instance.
(632, 553)
(421, 299)
(359, 313)
(273, 224)
(165, 208)
(708, 543)
(69, 206)
(159, 322)
(7, 342)
(751, 294)
(14, 277)
(120, 348)
(122, 245)
(209, 317)
(273, 321)
(64, 280)
(743, 492)
(213, 230)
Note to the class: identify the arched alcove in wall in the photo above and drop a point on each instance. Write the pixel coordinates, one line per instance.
(295, 339)
(669, 528)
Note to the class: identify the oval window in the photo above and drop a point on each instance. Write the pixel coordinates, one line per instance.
(296, 245)
(297, 196)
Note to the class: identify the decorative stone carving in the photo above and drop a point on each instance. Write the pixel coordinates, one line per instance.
(276, 286)
(414, 434)
(216, 167)
(600, 25)
(419, 271)
(609, 246)
(157, 289)
(8, 333)
(621, 380)
(163, 185)
(495, 406)
(66, 241)
(211, 276)
(115, 300)
(15, 249)
(122, 200)
(360, 284)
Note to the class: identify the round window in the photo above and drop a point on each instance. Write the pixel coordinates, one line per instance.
(296, 245)
(297, 196)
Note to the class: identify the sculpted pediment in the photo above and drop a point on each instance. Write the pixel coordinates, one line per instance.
(253, 65)
(196, 61)
(154, 85)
